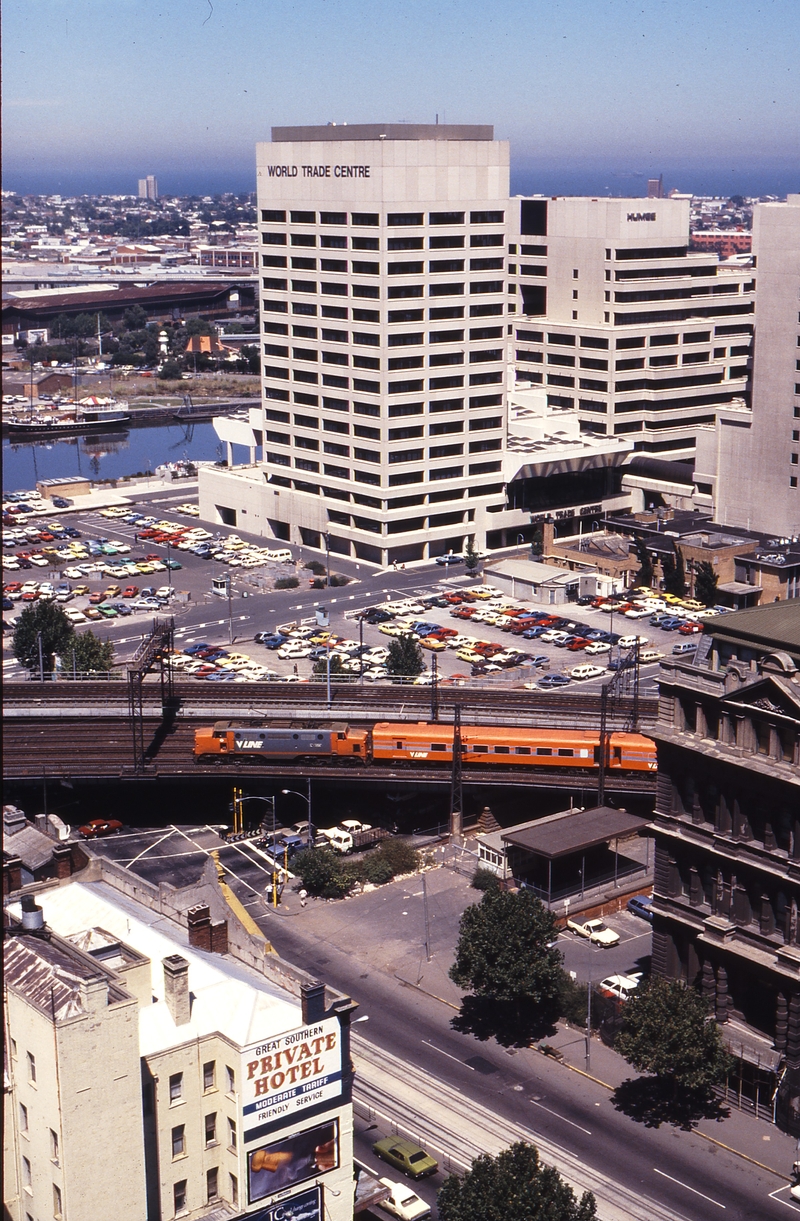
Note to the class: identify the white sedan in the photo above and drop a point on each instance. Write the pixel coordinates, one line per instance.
(595, 931)
(402, 1202)
(294, 651)
(586, 671)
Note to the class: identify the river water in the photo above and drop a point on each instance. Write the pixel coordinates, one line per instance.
(110, 455)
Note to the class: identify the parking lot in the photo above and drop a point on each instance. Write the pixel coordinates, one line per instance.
(106, 574)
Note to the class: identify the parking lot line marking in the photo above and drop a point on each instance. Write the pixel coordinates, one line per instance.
(563, 1118)
(447, 1053)
(775, 1195)
(688, 1188)
(154, 844)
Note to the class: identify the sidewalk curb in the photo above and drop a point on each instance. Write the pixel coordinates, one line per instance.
(711, 1139)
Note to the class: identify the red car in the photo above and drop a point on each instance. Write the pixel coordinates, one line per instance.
(100, 826)
(690, 629)
(130, 591)
(578, 643)
(147, 533)
(151, 557)
(30, 596)
(96, 598)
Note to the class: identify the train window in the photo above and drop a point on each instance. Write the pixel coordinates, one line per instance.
(399, 745)
(438, 746)
(501, 750)
(481, 750)
(543, 750)
(566, 751)
(357, 748)
(522, 750)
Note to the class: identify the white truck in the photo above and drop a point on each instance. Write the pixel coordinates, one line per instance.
(351, 836)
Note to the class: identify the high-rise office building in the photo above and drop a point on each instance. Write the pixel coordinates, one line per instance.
(655, 187)
(757, 455)
(618, 319)
(148, 187)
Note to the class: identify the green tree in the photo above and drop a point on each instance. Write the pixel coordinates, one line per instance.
(513, 1185)
(645, 573)
(135, 318)
(667, 1031)
(506, 959)
(47, 620)
(674, 573)
(86, 653)
(337, 667)
(705, 583)
(322, 872)
(405, 658)
(170, 371)
(471, 560)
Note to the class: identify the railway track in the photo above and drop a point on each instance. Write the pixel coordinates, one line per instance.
(349, 702)
(76, 750)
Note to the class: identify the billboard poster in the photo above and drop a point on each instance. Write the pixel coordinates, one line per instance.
(284, 1163)
(284, 1075)
(307, 1206)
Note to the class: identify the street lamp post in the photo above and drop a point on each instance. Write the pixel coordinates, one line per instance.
(230, 608)
(239, 801)
(307, 800)
(328, 557)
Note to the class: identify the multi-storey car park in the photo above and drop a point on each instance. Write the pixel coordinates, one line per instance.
(618, 320)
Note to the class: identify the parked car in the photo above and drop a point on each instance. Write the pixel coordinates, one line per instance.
(641, 905)
(402, 1202)
(449, 559)
(98, 827)
(406, 1157)
(620, 986)
(595, 931)
(554, 680)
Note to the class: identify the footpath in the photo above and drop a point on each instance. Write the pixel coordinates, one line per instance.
(388, 926)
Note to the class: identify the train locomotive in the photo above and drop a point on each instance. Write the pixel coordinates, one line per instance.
(422, 743)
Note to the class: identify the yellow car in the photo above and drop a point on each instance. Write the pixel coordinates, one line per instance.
(470, 655)
(390, 629)
(80, 590)
(693, 605)
(432, 643)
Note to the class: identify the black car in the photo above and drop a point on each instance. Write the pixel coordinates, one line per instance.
(374, 615)
(61, 502)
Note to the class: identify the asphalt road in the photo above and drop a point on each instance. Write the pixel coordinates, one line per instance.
(680, 1170)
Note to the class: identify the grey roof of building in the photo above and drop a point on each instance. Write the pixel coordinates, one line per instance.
(575, 830)
(772, 627)
(49, 974)
(32, 846)
(389, 131)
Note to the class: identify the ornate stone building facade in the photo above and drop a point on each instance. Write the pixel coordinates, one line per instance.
(727, 832)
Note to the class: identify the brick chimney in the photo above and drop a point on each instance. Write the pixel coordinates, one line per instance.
(312, 997)
(176, 988)
(548, 534)
(203, 935)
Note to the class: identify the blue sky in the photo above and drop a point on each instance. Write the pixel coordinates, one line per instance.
(594, 95)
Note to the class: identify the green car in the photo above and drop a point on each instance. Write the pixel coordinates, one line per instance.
(108, 612)
(173, 565)
(405, 1156)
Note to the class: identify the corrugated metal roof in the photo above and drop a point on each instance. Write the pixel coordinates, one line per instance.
(45, 975)
(32, 846)
(775, 626)
(575, 831)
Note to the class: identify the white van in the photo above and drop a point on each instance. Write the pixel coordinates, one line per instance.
(281, 557)
(685, 646)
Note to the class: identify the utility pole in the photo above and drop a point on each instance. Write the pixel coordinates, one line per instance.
(361, 650)
(427, 922)
(456, 789)
(230, 608)
(41, 657)
(328, 557)
(589, 1014)
(328, 668)
(434, 688)
(601, 777)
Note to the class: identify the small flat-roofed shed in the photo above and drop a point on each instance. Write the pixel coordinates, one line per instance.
(552, 846)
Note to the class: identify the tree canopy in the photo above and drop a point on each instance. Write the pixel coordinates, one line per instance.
(705, 583)
(667, 1031)
(471, 560)
(56, 632)
(674, 573)
(85, 653)
(513, 1186)
(645, 574)
(405, 658)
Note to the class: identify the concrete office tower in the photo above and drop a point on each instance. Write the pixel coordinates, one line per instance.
(758, 458)
(383, 311)
(618, 319)
(148, 187)
(655, 187)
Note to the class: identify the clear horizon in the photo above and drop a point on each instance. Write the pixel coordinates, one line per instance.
(595, 96)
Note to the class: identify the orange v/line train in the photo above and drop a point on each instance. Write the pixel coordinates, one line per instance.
(423, 742)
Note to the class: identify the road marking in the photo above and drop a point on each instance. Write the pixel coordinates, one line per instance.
(149, 846)
(775, 1195)
(688, 1188)
(447, 1053)
(563, 1118)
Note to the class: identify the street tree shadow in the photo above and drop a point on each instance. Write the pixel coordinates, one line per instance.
(652, 1101)
(510, 1023)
